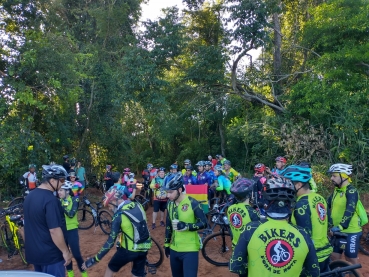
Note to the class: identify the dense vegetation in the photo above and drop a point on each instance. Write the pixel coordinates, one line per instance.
(81, 78)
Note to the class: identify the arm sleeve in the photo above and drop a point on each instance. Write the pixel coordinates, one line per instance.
(329, 205)
(115, 230)
(168, 230)
(220, 186)
(311, 264)
(152, 184)
(254, 214)
(238, 261)
(352, 197)
(199, 215)
(302, 215)
(72, 212)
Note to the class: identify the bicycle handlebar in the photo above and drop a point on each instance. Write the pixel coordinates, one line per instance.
(339, 270)
(340, 234)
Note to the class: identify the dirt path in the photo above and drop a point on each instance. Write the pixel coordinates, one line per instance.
(90, 243)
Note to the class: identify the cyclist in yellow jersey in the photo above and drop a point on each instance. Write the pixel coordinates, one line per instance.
(310, 213)
(275, 247)
(184, 218)
(187, 163)
(128, 250)
(70, 206)
(241, 213)
(342, 210)
(230, 172)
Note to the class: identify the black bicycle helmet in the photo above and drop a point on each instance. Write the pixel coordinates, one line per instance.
(189, 167)
(54, 172)
(279, 189)
(174, 183)
(65, 157)
(228, 162)
(242, 188)
(297, 173)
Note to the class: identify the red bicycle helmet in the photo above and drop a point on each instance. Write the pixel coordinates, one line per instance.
(259, 168)
(281, 159)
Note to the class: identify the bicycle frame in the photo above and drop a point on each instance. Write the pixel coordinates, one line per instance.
(13, 229)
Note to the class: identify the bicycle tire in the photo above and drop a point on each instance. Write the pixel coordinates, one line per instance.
(85, 219)
(16, 201)
(6, 235)
(364, 240)
(217, 248)
(21, 249)
(144, 203)
(105, 219)
(341, 263)
(155, 256)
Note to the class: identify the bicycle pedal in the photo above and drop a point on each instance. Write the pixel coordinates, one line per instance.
(151, 269)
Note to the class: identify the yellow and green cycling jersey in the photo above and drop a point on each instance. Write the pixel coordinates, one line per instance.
(311, 213)
(232, 174)
(274, 248)
(70, 206)
(239, 215)
(194, 173)
(190, 212)
(342, 208)
(122, 224)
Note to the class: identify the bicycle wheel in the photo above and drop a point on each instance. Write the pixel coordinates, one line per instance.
(6, 235)
(16, 201)
(85, 219)
(21, 250)
(155, 255)
(105, 219)
(363, 243)
(140, 199)
(217, 248)
(340, 264)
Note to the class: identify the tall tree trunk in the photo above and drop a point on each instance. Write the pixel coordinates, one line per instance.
(277, 58)
(222, 138)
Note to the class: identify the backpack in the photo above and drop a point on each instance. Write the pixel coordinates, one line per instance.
(141, 235)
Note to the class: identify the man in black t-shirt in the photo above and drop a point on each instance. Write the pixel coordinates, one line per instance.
(44, 224)
(66, 163)
(108, 178)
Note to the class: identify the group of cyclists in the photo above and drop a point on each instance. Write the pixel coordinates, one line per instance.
(279, 223)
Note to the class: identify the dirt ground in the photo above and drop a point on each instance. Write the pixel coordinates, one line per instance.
(90, 243)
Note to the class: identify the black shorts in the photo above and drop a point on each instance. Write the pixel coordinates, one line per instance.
(160, 205)
(124, 256)
(352, 246)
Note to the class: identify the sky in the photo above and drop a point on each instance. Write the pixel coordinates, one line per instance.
(153, 9)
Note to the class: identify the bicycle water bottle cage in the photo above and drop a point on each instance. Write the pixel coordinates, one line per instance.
(99, 205)
(14, 218)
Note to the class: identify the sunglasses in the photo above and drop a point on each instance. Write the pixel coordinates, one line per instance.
(72, 177)
(188, 170)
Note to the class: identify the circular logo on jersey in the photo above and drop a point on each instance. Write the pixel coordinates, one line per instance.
(279, 253)
(184, 207)
(321, 211)
(236, 220)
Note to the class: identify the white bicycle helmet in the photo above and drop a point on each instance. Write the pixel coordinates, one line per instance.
(67, 185)
(341, 168)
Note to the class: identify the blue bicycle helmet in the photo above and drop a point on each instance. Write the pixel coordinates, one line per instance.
(174, 166)
(297, 173)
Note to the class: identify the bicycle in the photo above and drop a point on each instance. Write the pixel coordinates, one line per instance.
(364, 241)
(144, 198)
(217, 247)
(19, 200)
(87, 218)
(11, 234)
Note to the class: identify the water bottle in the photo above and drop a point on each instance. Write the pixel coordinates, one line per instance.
(94, 213)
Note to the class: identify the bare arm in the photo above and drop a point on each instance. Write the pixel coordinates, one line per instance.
(58, 238)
